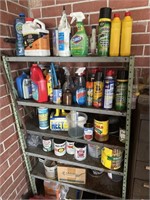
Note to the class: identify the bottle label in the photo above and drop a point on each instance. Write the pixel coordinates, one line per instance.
(121, 95)
(98, 94)
(19, 28)
(61, 42)
(103, 38)
(35, 93)
(81, 96)
(89, 98)
(108, 94)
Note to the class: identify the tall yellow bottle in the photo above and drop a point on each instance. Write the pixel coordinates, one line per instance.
(126, 33)
(115, 36)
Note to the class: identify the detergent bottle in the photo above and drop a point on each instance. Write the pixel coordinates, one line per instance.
(39, 87)
(115, 36)
(79, 42)
(19, 84)
(36, 38)
(126, 34)
(64, 31)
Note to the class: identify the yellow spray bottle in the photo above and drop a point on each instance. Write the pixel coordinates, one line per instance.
(115, 36)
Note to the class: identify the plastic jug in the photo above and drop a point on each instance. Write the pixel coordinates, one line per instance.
(36, 38)
(19, 84)
(39, 87)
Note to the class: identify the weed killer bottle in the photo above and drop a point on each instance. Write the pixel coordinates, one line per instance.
(104, 31)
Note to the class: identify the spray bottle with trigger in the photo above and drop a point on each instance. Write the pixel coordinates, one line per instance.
(79, 42)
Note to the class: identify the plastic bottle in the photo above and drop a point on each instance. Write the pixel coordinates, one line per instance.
(49, 85)
(19, 84)
(93, 41)
(27, 89)
(81, 89)
(125, 46)
(67, 97)
(39, 87)
(98, 90)
(121, 90)
(115, 35)
(19, 21)
(36, 38)
(79, 42)
(104, 31)
(64, 31)
(109, 84)
(68, 83)
(89, 91)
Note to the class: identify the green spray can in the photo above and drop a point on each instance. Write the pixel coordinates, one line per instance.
(104, 31)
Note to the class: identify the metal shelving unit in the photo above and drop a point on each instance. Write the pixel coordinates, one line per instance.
(103, 185)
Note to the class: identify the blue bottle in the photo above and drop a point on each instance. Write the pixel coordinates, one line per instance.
(19, 84)
(19, 21)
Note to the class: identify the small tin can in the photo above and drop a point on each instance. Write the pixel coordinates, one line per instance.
(47, 144)
(57, 96)
(88, 131)
(43, 118)
(80, 151)
(70, 147)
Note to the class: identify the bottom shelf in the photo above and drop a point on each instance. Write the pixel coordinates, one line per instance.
(101, 185)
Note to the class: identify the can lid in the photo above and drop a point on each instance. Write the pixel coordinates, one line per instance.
(105, 12)
(59, 141)
(122, 74)
(79, 145)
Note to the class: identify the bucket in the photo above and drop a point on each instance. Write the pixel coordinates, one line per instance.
(76, 121)
(50, 169)
(111, 158)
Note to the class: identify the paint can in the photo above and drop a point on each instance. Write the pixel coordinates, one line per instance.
(59, 147)
(43, 118)
(88, 131)
(57, 96)
(80, 151)
(70, 147)
(94, 150)
(111, 158)
(50, 169)
(47, 144)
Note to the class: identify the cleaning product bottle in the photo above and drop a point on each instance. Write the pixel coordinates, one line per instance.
(79, 42)
(36, 38)
(104, 31)
(98, 90)
(19, 84)
(115, 36)
(126, 34)
(109, 84)
(49, 85)
(93, 41)
(81, 89)
(89, 91)
(19, 21)
(39, 87)
(64, 31)
(121, 90)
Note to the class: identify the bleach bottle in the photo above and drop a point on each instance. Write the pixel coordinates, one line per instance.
(36, 38)
(39, 86)
(64, 31)
(79, 42)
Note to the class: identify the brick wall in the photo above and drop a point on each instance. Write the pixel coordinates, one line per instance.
(13, 178)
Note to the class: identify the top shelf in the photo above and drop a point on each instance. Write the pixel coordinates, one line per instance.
(69, 59)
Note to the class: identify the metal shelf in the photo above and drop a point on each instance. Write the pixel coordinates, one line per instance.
(76, 108)
(69, 59)
(32, 128)
(101, 185)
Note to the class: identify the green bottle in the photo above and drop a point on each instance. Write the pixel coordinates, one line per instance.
(79, 42)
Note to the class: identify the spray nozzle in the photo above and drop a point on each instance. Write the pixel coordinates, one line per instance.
(80, 71)
(67, 73)
(79, 16)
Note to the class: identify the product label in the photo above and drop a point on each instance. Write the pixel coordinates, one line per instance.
(19, 28)
(122, 135)
(101, 128)
(80, 153)
(47, 145)
(35, 93)
(121, 95)
(98, 94)
(103, 38)
(88, 133)
(61, 42)
(57, 96)
(59, 124)
(89, 98)
(81, 96)
(104, 157)
(108, 94)
(43, 118)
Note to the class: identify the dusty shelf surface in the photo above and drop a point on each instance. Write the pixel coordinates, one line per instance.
(101, 185)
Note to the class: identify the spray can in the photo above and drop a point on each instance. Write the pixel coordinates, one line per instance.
(98, 90)
(109, 84)
(115, 35)
(121, 90)
(19, 21)
(89, 92)
(104, 31)
(125, 48)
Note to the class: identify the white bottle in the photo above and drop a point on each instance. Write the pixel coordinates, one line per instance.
(64, 31)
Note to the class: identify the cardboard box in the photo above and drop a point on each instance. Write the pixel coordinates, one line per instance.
(71, 174)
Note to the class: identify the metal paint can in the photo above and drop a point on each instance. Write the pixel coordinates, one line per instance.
(70, 147)
(57, 96)
(50, 169)
(59, 147)
(43, 118)
(47, 144)
(88, 131)
(80, 151)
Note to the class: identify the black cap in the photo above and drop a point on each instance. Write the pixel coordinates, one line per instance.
(105, 12)
(122, 74)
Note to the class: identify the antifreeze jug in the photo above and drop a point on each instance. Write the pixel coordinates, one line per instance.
(39, 87)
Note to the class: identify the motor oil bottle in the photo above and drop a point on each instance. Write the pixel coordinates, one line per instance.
(104, 31)
(115, 36)
(36, 38)
(79, 42)
(19, 84)
(49, 85)
(98, 90)
(109, 85)
(39, 87)
(64, 31)
(19, 21)
(126, 34)
(121, 90)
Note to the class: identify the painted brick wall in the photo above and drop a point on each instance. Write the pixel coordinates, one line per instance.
(13, 178)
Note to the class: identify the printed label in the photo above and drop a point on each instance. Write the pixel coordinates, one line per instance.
(19, 28)
(61, 42)
(109, 94)
(101, 128)
(35, 93)
(81, 96)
